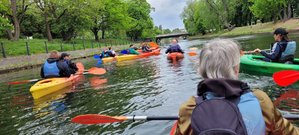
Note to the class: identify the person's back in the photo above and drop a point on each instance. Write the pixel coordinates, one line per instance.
(231, 107)
(132, 50)
(53, 67)
(65, 57)
(174, 47)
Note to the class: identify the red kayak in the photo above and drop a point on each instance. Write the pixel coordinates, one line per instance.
(175, 56)
(174, 127)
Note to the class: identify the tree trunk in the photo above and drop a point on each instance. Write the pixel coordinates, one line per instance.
(16, 23)
(95, 32)
(48, 28)
(285, 16)
(289, 10)
(10, 36)
(103, 34)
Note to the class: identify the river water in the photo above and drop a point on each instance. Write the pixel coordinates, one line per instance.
(150, 86)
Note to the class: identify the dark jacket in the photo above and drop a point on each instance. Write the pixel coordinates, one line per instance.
(64, 70)
(72, 66)
(275, 56)
(174, 48)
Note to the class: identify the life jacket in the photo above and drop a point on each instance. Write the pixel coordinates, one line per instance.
(289, 52)
(51, 69)
(230, 114)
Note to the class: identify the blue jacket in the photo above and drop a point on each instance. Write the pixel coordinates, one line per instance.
(55, 68)
(174, 48)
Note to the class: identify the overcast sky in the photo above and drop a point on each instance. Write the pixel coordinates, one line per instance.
(167, 13)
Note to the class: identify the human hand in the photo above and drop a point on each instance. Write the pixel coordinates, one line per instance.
(257, 50)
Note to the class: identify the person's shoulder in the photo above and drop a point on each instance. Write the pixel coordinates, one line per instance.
(261, 95)
(191, 102)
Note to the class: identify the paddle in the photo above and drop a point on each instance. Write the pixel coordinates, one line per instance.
(94, 71)
(102, 119)
(286, 77)
(23, 81)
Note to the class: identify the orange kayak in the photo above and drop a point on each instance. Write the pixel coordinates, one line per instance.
(175, 56)
(174, 127)
(147, 54)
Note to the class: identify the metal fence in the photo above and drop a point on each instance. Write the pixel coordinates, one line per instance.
(27, 49)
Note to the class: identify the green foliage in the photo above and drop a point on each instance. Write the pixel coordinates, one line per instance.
(166, 31)
(4, 22)
(267, 9)
(141, 23)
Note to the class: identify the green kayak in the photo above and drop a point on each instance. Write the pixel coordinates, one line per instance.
(253, 64)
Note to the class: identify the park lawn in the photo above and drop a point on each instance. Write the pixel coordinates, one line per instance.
(290, 25)
(36, 46)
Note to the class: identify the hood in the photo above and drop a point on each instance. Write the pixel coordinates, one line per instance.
(51, 60)
(222, 87)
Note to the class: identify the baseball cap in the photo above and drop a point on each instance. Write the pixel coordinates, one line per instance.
(281, 31)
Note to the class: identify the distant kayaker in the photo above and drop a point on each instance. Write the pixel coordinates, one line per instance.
(223, 103)
(174, 47)
(282, 50)
(145, 48)
(108, 53)
(53, 67)
(67, 59)
(132, 50)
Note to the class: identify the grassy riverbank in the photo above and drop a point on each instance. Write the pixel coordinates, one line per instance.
(38, 46)
(290, 25)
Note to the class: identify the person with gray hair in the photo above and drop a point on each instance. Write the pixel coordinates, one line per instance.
(219, 67)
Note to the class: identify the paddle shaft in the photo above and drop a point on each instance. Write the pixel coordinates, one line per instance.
(152, 118)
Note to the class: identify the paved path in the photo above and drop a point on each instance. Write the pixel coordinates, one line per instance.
(25, 62)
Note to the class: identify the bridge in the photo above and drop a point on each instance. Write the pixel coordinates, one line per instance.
(159, 37)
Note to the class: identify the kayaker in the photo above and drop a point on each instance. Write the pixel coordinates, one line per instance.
(219, 66)
(132, 50)
(174, 47)
(67, 59)
(145, 48)
(53, 67)
(282, 50)
(108, 53)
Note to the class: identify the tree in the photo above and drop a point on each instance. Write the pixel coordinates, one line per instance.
(267, 9)
(139, 11)
(74, 20)
(108, 15)
(51, 11)
(16, 13)
(4, 22)
(166, 31)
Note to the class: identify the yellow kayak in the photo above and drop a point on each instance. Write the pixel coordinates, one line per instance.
(120, 58)
(51, 85)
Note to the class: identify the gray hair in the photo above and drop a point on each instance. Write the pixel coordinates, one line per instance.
(219, 58)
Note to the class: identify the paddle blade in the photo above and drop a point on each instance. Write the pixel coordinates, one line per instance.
(153, 44)
(22, 82)
(96, 119)
(97, 56)
(124, 52)
(192, 53)
(286, 77)
(97, 71)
